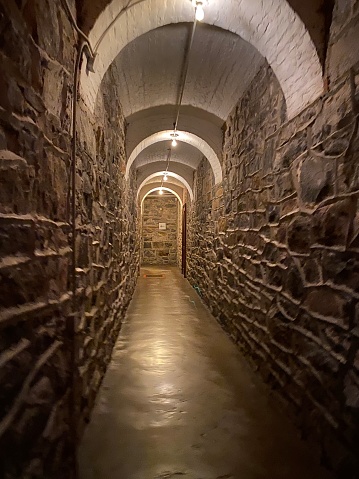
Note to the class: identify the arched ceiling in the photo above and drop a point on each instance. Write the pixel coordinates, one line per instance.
(153, 187)
(183, 153)
(312, 12)
(149, 69)
(190, 150)
(172, 179)
(272, 27)
(144, 42)
(180, 169)
(199, 122)
(158, 179)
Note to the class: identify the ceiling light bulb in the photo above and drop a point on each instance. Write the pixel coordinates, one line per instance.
(174, 142)
(161, 192)
(199, 12)
(165, 177)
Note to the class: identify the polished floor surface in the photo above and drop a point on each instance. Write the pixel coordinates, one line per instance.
(179, 401)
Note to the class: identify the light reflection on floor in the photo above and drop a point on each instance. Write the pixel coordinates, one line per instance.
(179, 401)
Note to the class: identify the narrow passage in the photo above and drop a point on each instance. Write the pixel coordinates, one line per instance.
(179, 401)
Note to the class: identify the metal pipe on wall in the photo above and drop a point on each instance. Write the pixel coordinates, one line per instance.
(83, 46)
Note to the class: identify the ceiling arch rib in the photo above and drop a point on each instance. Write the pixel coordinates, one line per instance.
(149, 70)
(186, 137)
(197, 121)
(147, 190)
(180, 169)
(312, 13)
(184, 154)
(272, 27)
(170, 174)
(148, 75)
(157, 181)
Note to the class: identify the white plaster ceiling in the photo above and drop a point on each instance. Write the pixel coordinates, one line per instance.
(168, 183)
(172, 179)
(184, 171)
(271, 26)
(199, 122)
(183, 138)
(155, 187)
(182, 153)
(146, 48)
(221, 68)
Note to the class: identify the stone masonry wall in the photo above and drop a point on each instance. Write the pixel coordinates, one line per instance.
(37, 59)
(179, 230)
(274, 253)
(107, 243)
(159, 247)
(37, 52)
(343, 51)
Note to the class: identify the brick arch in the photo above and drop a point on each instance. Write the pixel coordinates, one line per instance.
(271, 26)
(165, 188)
(170, 174)
(186, 137)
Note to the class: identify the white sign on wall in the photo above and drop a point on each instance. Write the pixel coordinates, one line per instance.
(161, 226)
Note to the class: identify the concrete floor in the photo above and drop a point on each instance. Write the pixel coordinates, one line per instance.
(179, 401)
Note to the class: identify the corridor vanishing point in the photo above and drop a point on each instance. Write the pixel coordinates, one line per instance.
(179, 239)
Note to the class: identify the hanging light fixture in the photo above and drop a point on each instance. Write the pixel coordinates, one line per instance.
(174, 135)
(199, 12)
(161, 191)
(165, 176)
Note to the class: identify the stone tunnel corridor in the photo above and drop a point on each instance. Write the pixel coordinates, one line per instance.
(217, 141)
(178, 400)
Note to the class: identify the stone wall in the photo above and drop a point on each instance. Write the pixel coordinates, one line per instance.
(160, 247)
(273, 250)
(107, 244)
(274, 253)
(39, 358)
(179, 231)
(35, 110)
(343, 51)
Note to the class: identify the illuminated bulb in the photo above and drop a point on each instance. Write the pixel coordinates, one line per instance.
(198, 5)
(165, 177)
(199, 12)
(174, 135)
(161, 192)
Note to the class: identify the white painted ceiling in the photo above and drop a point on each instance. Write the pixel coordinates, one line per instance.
(149, 70)
(176, 189)
(220, 69)
(145, 46)
(271, 26)
(145, 123)
(182, 153)
(169, 182)
(184, 171)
